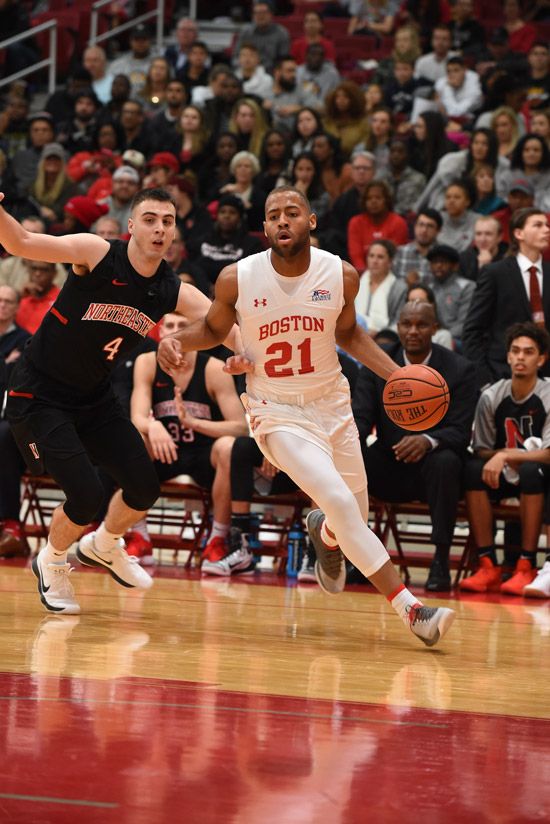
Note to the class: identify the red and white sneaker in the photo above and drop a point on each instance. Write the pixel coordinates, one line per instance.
(486, 579)
(540, 586)
(215, 549)
(524, 575)
(139, 547)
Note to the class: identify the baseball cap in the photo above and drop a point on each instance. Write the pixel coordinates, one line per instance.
(126, 171)
(166, 159)
(140, 31)
(442, 250)
(40, 116)
(521, 184)
(53, 150)
(85, 209)
(134, 158)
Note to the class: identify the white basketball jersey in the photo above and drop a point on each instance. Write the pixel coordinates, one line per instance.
(288, 324)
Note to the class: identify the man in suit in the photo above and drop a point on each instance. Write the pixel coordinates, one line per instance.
(513, 290)
(420, 466)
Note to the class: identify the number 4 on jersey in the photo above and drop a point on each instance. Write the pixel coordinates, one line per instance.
(112, 348)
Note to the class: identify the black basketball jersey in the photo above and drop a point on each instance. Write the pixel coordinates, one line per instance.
(98, 318)
(501, 422)
(195, 399)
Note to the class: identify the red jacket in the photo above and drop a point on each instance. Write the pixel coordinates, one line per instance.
(32, 310)
(362, 231)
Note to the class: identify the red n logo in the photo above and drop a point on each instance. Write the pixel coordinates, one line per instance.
(517, 433)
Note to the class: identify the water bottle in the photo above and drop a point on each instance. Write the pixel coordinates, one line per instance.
(295, 545)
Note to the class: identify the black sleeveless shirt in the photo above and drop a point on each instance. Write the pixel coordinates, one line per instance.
(196, 400)
(97, 319)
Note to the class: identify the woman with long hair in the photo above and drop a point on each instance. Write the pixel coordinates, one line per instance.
(248, 124)
(540, 124)
(458, 218)
(380, 135)
(215, 172)
(345, 115)
(531, 160)
(335, 171)
(429, 143)
(374, 97)
(274, 160)
(307, 124)
(381, 295)
(506, 126)
(189, 144)
(486, 200)
(306, 177)
(52, 187)
(483, 149)
(153, 94)
(376, 220)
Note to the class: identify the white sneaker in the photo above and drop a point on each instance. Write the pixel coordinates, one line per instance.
(307, 570)
(239, 561)
(430, 624)
(124, 568)
(55, 589)
(540, 587)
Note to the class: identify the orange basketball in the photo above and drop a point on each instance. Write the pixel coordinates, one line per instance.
(416, 397)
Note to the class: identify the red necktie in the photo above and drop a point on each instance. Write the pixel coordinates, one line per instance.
(535, 299)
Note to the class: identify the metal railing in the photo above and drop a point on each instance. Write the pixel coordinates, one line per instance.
(50, 61)
(96, 38)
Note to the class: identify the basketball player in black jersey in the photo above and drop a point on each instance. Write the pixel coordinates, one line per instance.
(62, 410)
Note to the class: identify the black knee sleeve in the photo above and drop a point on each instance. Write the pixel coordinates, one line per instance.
(141, 492)
(245, 455)
(83, 501)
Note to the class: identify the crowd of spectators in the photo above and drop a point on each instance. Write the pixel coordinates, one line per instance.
(417, 163)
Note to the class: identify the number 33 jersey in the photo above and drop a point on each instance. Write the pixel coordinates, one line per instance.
(288, 324)
(99, 318)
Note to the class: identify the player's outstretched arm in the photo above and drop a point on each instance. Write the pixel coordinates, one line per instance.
(211, 322)
(84, 250)
(353, 338)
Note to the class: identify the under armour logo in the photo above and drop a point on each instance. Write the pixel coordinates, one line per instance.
(34, 449)
(260, 302)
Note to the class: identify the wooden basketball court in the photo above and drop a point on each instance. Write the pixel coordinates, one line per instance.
(250, 701)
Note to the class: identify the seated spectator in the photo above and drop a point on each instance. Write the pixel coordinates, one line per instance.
(540, 125)
(538, 88)
(195, 74)
(376, 221)
(135, 63)
(275, 160)
(79, 215)
(520, 196)
(163, 166)
(95, 61)
(423, 294)
(165, 123)
(378, 141)
(453, 293)
(286, 97)
(189, 424)
(192, 219)
(306, 177)
(220, 108)
(486, 200)
(154, 92)
(406, 48)
(420, 466)
(426, 16)
(52, 187)
(271, 39)
(14, 271)
(499, 56)
(335, 171)
(244, 169)
(186, 33)
(14, 123)
(120, 94)
(458, 94)
(487, 247)
(405, 184)
(190, 141)
(345, 116)
(348, 204)
(253, 76)
(522, 34)
(432, 67)
(228, 241)
(215, 171)
(429, 143)
(108, 228)
(307, 125)
(317, 76)
(458, 218)
(137, 132)
(381, 295)
(410, 262)
(24, 163)
(374, 97)
(506, 125)
(511, 457)
(374, 17)
(126, 184)
(76, 134)
(313, 35)
(60, 104)
(12, 340)
(41, 295)
(467, 34)
(509, 291)
(531, 160)
(400, 91)
(248, 124)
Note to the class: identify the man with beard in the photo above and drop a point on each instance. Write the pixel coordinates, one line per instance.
(286, 99)
(76, 135)
(165, 123)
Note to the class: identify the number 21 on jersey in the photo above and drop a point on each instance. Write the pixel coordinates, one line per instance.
(276, 367)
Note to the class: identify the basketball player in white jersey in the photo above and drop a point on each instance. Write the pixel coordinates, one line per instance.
(293, 304)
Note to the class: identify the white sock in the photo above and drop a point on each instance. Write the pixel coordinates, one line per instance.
(327, 536)
(53, 555)
(402, 600)
(141, 528)
(218, 530)
(105, 540)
